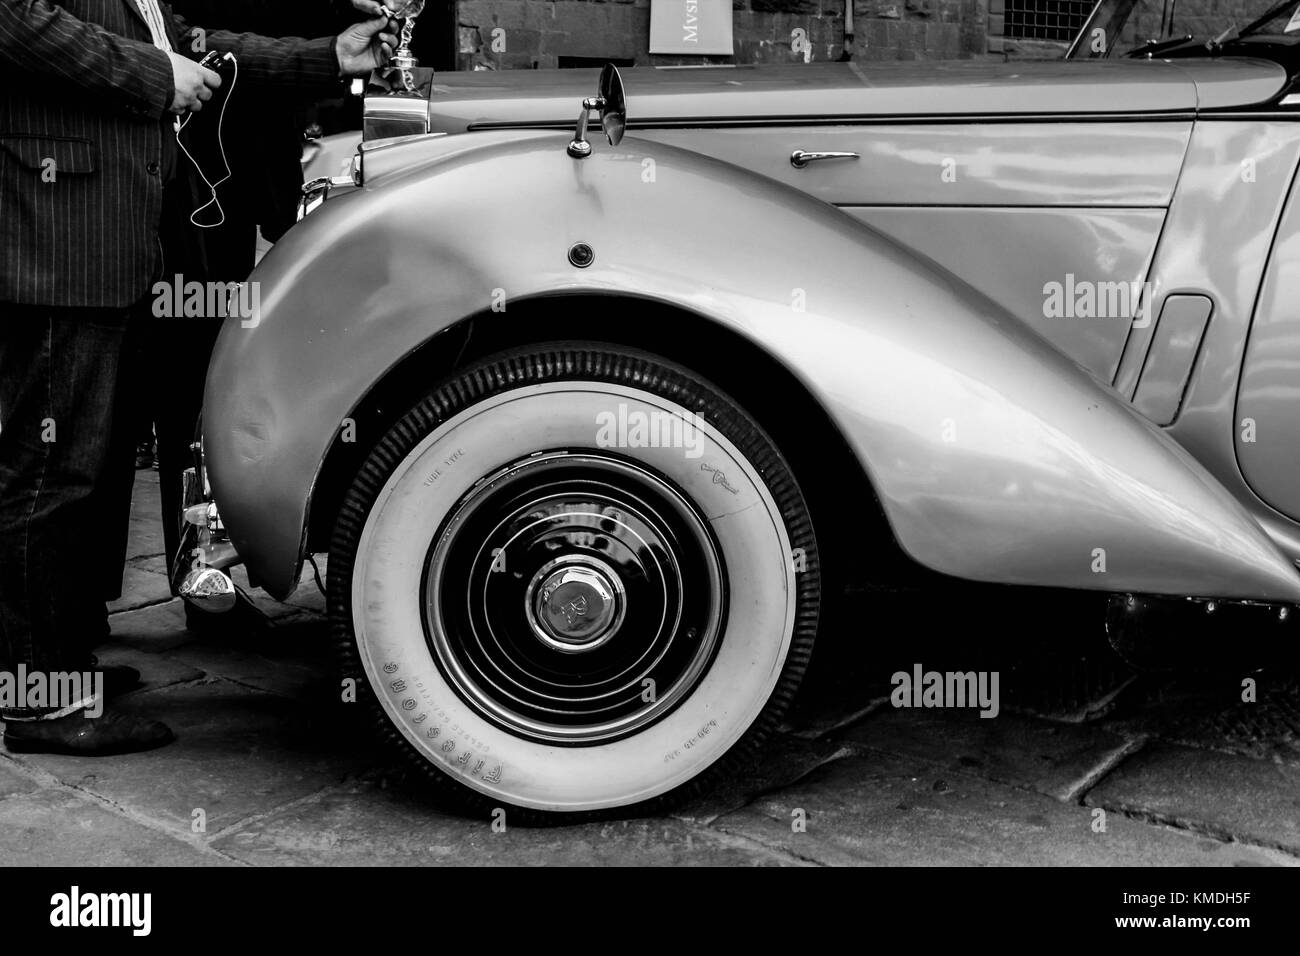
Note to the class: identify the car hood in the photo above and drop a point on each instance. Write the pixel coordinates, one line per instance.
(826, 91)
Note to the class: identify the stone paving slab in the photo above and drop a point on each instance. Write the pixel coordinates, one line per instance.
(1057, 759)
(146, 536)
(1206, 711)
(53, 827)
(897, 811)
(1219, 793)
(154, 630)
(308, 598)
(238, 753)
(817, 722)
(784, 760)
(11, 781)
(362, 825)
(142, 585)
(156, 670)
(302, 634)
(264, 602)
(146, 528)
(308, 595)
(290, 678)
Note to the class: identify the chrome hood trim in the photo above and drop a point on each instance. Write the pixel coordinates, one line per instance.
(818, 92)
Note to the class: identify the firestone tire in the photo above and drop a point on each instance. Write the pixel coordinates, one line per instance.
(550, 611)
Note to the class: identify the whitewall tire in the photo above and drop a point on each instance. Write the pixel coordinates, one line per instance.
(575, 579)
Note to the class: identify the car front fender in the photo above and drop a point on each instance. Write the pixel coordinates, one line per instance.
(994, 457)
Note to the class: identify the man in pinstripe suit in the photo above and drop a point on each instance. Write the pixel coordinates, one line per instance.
(89, 90)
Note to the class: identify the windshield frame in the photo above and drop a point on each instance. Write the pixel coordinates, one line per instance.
(1273, 12)
(1110, 16)
(1111, 9)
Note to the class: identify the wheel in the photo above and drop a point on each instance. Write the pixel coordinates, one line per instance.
(575, 579)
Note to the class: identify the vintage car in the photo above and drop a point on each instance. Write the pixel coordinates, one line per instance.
(592, 429)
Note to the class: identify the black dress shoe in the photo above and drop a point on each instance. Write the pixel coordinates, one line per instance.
(118, 678)
(81, 736)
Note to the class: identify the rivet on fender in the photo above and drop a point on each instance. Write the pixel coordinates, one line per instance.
(581, 255)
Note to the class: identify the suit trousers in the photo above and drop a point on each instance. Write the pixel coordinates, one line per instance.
(59, 370)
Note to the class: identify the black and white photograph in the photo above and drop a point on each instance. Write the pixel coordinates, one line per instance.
(651, 433)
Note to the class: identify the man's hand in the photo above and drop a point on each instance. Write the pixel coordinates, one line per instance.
(366, 46)
(194, 84)
(371, 7)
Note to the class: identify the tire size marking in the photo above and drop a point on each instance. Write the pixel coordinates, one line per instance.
(447, 463)
(688, 744)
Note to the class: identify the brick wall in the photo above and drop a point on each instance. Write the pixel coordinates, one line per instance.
(513, 34)
(523, 34)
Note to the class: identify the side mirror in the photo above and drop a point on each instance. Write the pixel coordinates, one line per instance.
(612, 104)
(613, 109)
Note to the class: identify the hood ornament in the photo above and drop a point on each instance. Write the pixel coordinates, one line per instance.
(406, 11)
(612, 105)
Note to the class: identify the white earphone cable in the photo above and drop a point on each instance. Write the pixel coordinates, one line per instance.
(221, 145)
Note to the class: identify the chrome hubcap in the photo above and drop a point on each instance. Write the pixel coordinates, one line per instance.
(574, 597)
(575, 604)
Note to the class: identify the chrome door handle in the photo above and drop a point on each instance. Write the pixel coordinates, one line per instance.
(802, 157)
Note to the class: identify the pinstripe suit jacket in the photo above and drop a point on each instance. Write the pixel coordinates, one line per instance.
(84, 107)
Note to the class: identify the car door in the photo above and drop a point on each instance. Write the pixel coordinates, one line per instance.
(1038, 215)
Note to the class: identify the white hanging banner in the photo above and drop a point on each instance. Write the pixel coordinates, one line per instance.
(691, 26)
